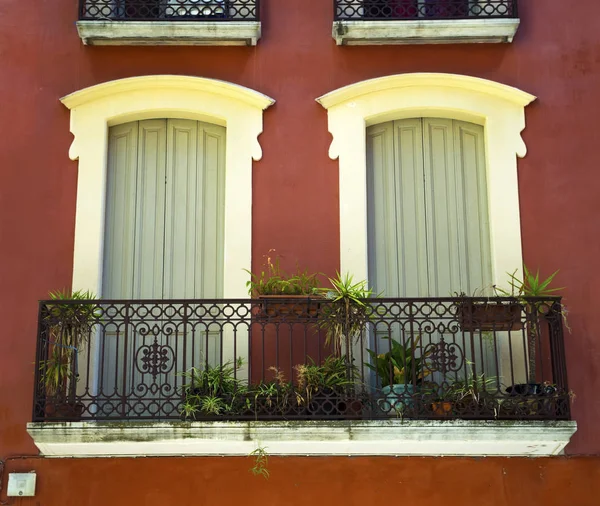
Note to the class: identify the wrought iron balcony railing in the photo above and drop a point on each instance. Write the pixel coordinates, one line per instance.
(265, 359)
(390, 10)
(169, 10)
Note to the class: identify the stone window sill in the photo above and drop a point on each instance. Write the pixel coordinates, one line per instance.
(169, 33)
(451, 31)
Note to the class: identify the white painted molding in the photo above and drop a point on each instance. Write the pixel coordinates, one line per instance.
(499, 108)
(421, 31)
(386, 437)
(96, 108)
(169, 33)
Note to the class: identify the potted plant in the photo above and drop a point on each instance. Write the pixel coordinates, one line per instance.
(282, 294)
(69, 322)
(213, 391)
(324, 388)
(346, 314)
(275, 398)
(533, 293)
(474, 397)
(400, 371)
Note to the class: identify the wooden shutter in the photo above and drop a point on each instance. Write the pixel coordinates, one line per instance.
(427, 204)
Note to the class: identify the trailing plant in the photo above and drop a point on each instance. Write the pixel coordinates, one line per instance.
(261, 460)
(399, 365)
(345, 317)
(213, 390)
(273, 280)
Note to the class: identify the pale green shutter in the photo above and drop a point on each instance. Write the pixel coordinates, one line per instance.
(194, 210)
(165, 210)
(427, 208)
(121, 189)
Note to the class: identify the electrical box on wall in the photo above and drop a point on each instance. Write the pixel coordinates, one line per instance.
(21, 485)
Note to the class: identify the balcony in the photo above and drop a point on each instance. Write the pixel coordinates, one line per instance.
(169, 22)
(447, 376)
(374, 22)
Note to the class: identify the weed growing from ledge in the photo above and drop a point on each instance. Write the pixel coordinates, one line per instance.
(261, 459)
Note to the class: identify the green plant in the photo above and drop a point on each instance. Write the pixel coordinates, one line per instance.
(532, 286)
(334, 374)
(213, 390)
(272, 280)
(261, 459)
(474, 395)
(69, 321)
(345, 317)
(399, 365)
(277, 393)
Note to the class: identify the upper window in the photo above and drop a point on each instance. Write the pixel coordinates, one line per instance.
(424, 21)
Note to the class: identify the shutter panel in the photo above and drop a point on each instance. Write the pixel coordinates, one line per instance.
(443, 241)
(397, 247)
(456, 203)
(119, 231)
(469, 150)
(150, 210)
(194, 210)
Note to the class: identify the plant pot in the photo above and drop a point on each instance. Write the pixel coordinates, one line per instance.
(64, 410)
(489, 316)
(531, 389)
(288, 306)
(442, 408)
(397, 398)
(485, 407)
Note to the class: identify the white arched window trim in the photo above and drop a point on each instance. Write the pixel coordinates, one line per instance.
(95, 109)
(499, 108)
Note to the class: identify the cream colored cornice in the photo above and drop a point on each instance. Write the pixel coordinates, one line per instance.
(171, 82)
(450, 81)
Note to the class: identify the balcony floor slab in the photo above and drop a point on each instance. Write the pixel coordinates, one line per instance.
(419, 31)
(357, 437)
(169, 33)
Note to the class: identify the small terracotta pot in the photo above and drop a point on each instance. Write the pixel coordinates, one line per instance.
(442, 408)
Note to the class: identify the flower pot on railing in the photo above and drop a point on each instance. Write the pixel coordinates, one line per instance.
(489, 316)
(287, 306)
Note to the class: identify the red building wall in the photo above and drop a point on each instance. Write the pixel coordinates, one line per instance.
(556, 56)
(317, 480)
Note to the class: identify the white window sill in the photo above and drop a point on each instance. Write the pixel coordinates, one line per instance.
(451, 31)
(169, 33)
(387, 437)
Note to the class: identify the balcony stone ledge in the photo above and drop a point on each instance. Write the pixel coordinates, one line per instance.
(169, 33)
(357, 437)
(450, 31)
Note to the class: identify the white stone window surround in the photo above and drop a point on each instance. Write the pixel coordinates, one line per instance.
(499, 108)
(95, 109)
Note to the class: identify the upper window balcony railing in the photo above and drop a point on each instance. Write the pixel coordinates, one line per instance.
(424, 21)
(197, 22)
(161, 10)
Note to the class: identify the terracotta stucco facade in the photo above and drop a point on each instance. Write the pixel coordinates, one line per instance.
(555, 56)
